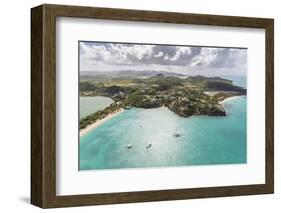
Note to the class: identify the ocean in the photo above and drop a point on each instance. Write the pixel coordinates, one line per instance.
(204, 140)
(240, 81)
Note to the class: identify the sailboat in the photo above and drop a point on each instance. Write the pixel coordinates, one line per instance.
(148, 146)
(177, 134)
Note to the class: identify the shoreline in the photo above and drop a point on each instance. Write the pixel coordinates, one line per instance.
(111, 115)
(98, 122)
(228, 99)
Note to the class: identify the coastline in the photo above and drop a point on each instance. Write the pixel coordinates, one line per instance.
(228, 99)
(109, 116)
(98, 122)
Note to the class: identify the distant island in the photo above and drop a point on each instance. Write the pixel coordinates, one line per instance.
(185, 96)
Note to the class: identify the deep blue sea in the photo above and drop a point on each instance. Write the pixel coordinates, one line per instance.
(204, 140)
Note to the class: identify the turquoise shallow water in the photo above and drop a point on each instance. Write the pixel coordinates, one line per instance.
(89, 105)
(204, 140)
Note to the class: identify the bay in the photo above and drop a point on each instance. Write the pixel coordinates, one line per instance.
(204, 140)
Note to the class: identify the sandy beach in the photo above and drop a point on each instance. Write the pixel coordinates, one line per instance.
(98, 122)
(227, 99)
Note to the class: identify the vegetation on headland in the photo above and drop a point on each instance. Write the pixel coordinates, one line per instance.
(101, 114)
(183, 96)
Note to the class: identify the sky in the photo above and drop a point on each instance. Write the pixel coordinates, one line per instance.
(188, 60)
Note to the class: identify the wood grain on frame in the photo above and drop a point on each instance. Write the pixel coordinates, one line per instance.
(43, 105)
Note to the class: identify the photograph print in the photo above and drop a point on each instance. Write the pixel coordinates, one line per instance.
(158, 105)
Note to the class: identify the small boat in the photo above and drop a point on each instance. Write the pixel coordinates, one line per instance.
(148, 146)
(177, 135)
(129, 146)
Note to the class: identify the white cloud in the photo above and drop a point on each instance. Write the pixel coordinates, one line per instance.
(181, 51)
(114, 56)
(205, 58)
(160, 54)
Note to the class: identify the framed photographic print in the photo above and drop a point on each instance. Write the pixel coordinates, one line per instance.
(136, 106)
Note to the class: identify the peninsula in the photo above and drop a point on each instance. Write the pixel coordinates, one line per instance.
(185, 96)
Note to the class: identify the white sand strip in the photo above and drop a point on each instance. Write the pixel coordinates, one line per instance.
(98, 122)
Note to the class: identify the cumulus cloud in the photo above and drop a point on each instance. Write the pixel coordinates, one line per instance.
(160, 54)
(184, 59)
